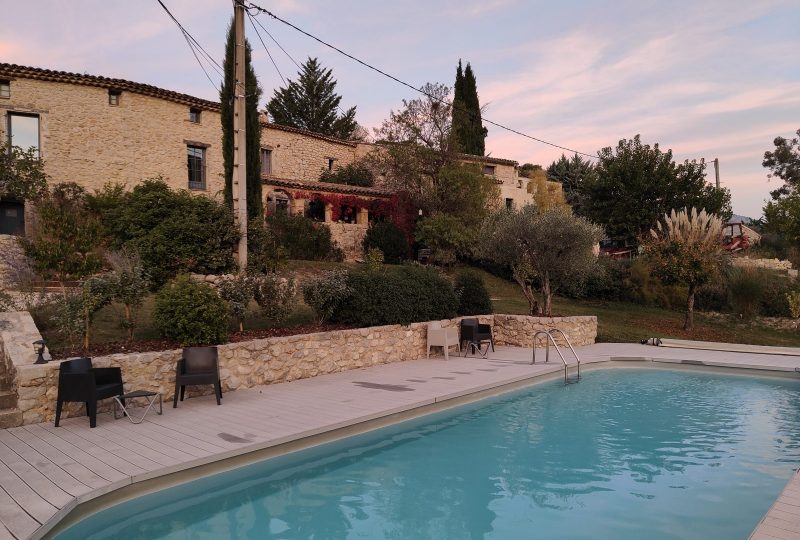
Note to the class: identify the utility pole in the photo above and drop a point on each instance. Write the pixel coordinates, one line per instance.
(716, 170)
(239, 184)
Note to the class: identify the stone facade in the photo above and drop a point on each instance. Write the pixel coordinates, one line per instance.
(86, 140)
(274, 360)
(303, 155)
(349, 237)
(11, 259)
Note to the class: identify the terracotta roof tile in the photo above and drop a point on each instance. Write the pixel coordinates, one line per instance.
(14, 71)
(326, 187)
(308, 133)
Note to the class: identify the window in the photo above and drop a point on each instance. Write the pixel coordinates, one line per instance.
(315, 210)
(510, 204)
(113, 97)
(5, 89)
(194, 115)
(348, 214)
(266, 161)
(197, 167)
(278, 203)
(488, 169)
(330, 163)
(24, 131)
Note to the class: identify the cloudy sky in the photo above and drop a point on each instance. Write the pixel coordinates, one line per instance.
(705, 78)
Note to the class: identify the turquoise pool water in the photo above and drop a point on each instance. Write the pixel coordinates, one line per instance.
(624, 454)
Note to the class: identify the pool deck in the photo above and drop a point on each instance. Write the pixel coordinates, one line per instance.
(45, 471)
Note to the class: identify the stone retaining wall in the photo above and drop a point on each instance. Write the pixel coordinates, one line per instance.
(281, 359)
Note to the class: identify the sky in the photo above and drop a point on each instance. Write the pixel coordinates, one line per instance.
(705, 78)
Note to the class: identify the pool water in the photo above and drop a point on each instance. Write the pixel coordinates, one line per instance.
(624, 454)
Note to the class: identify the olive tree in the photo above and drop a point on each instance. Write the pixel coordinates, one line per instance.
(547, 247)
(685, 249)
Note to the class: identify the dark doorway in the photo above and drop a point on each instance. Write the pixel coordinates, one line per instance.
(12, 218)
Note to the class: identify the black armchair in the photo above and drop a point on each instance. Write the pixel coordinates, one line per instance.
(78, 381)
(473, 334)
(199, 365)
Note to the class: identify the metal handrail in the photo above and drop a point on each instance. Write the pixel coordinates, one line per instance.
(569, 344)
(550, 339)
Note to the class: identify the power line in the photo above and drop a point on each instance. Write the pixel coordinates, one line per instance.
(275, 41)
(194, 45)
(265, 48)
(411, 86)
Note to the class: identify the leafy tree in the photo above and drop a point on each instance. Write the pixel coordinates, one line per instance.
(389, 239)
(66, 240)
(782, 213)
(571, 172)
(685, 249)
(527, 170)
(546, 194)
(22, 175)
(237, 292)
(467, 126)
(446, 236)
(551, 246)
(637, 183)
(129, 284)
(96, 293)
(252, 125)
(311, 103)
(352, 174)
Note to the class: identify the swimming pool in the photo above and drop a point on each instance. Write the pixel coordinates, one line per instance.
(624, 454)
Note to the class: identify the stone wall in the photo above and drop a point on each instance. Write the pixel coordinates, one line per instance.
(298, 156)
(12, 258)
(86, 140)
(349, 238)
(281, 359)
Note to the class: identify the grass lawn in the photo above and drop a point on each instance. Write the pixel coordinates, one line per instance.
(617, 321)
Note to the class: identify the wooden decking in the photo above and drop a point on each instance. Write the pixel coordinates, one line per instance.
(46, 471)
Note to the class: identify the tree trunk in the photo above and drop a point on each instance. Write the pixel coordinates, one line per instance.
(86, 329)
(129, 322)
(241, 326)
(548, 295)
(533, 303)
(689, 323)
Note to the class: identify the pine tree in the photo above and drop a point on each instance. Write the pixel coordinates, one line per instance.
(311, 103)
(467, 125)
(253, 126)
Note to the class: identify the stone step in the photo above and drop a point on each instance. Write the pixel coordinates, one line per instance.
(10, 418)
(8, 399)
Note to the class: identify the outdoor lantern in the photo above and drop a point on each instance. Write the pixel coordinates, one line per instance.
(38, 347)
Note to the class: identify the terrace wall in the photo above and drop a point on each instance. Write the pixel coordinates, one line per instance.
(281, 359)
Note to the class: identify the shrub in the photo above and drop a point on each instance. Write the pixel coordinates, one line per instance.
(174, 232)
(237, 292)
(191, 313)
(387, 237)
(745, 292)
(302, 238)
(397, 296)
(712, 296)
(473, 297)
(7, 302)
(353, 174)
(275, 296)
(648, 289)
(793, 299)
(776, 286)
(446, 236)
(264, 254)
(326, 293)
(374, 260)
(96, 293)
(66, 239)
(609, 279)
(66, 315)
(129, 284)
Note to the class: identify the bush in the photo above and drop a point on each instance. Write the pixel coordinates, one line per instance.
(745, 292)
(326, 293)
(609, 279)
(237, 292)
(303, 238)
(275, 296)
(648, 289)
(387, 237)
(473, 297)
(174, 232)
(776, 286)
(7, 302)
(353, 174)
(66, 239)
(712, 296)
(397, 296)
(264, 254)
(191, 313)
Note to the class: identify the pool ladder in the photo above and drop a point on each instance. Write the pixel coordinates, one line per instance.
(548, 340)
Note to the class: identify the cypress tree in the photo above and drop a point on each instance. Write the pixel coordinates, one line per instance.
(467, 125)
(311, 103)
(253, 126)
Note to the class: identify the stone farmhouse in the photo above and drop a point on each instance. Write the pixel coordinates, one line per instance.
(93, 130)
